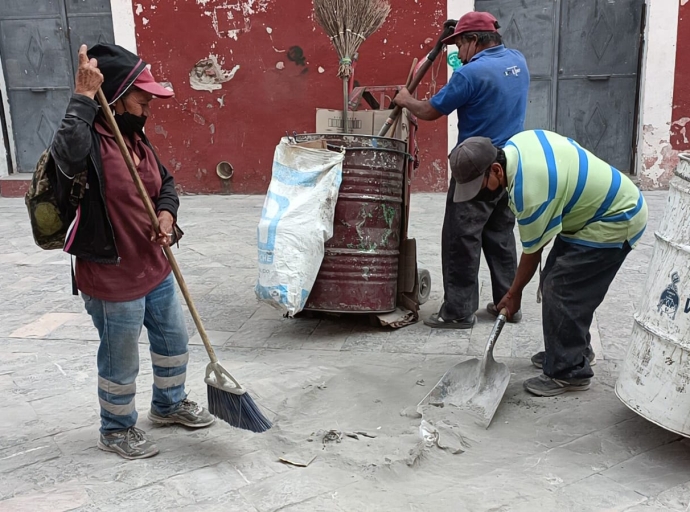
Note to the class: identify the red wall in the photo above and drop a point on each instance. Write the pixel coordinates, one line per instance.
(680, 138)
(193, 132)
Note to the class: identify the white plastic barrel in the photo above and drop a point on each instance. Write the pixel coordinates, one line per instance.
(655, 377)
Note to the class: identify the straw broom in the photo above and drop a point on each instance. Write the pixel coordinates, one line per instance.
(349, 23)
(227, 399)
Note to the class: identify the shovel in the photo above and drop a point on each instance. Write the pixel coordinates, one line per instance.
(476, 386)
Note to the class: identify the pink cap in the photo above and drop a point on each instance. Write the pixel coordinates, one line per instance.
(146, 82)
(473, 22)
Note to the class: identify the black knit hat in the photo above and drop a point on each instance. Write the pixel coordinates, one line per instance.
(120, 69)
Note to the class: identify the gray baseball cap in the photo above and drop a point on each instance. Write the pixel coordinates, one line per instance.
(470, 162)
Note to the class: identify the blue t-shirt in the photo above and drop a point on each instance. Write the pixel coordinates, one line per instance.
(490, 95)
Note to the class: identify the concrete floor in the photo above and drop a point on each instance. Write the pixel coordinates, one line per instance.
(582, 452)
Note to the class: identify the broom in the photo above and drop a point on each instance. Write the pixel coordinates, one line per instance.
(227, 399)
(348, 23)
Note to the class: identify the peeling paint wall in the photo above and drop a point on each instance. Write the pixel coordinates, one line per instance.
(656, 156)
(245, 72)
(680, 138)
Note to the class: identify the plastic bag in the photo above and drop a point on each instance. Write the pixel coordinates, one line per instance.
(296, 221)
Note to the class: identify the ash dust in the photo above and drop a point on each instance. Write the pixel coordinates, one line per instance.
(357, 415)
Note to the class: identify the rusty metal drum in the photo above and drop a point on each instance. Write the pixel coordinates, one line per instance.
(655, 378)
(359, 272)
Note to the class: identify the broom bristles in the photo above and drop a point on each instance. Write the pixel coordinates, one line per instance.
(349, 23)
(238, 411)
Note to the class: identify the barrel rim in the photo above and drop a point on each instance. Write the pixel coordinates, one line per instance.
(373, 137)
(645, 415)
(364, 135)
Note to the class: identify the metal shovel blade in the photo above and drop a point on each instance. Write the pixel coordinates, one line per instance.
(476, 386)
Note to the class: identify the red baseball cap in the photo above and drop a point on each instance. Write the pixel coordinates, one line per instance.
(473, 22)
(146, 82)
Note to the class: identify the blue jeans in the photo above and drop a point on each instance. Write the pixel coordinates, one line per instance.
(119, 327)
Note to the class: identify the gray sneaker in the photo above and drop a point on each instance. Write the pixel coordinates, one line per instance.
(538, 359)
(130, 444)
(546, 386)
(188, 413)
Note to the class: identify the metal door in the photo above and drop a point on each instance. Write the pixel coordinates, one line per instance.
(583, 57)
(90, 22)
(38, 44)
(531, 30)
(597, 76)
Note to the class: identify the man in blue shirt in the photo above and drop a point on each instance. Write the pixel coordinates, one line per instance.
(489, 93)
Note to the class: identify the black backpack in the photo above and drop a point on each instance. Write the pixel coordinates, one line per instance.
(50, 221)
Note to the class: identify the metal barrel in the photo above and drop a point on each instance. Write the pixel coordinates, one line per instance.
(359, 272)
(655, 378)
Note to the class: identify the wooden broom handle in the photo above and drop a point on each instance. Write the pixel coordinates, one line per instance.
(448, 29)
(154, 221)
(407, 84)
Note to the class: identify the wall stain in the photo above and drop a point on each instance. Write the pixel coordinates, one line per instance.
(296, 54)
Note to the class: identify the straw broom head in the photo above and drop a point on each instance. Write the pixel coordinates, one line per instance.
(348, 23)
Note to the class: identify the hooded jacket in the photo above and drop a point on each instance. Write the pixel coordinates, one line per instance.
(76, 147)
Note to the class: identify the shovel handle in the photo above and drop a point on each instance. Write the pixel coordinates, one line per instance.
(495, 333)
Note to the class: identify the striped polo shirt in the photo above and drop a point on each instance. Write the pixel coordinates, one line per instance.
(558, 188)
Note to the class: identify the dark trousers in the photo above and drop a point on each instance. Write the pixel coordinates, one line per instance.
(485, 223)
(574, 282)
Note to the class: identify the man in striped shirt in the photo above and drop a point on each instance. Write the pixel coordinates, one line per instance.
(595, 215)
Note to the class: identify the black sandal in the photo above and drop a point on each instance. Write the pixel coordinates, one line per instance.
(437, 322)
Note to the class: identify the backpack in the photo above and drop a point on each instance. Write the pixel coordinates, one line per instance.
(50, 221)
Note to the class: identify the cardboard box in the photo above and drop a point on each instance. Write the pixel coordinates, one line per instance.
(402, 130)
(314, 144)
(361, 122)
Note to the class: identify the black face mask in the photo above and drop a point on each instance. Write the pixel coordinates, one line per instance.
(130, 124)
(489, 195)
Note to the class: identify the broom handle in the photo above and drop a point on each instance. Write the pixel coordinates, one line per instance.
(449, 28)
(154, 220)
(346, 103)
(407, 84)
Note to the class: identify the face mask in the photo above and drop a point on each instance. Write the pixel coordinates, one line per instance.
(489, 195)
(486, 194)
(130, 124)
(467, 58)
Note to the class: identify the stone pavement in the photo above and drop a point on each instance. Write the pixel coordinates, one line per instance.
(580, 453)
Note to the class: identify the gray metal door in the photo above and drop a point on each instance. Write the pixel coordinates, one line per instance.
(90, 22)
(38, 44)
(529, 28)
(597, 76)
(583, 57)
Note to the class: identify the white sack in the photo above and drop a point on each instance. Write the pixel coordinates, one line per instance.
(296, 221)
